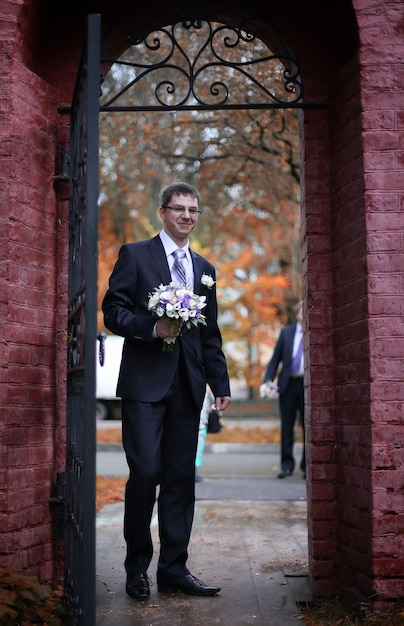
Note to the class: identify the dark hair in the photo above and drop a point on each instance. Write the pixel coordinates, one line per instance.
(183, 189)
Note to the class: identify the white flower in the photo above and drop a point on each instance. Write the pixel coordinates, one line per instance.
(207, 280)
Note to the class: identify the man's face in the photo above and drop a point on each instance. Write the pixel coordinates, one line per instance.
(180, 217)
(299, 313)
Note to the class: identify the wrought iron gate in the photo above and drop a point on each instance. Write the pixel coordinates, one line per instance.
(82, 332)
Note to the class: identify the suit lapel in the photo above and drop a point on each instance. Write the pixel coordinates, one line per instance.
(197, 263)
(292, 332)
(160, 259)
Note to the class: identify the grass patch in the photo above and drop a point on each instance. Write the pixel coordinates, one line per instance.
(226, 435)
(109, 489)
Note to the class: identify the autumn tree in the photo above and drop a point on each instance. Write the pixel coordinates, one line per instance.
(246, 165)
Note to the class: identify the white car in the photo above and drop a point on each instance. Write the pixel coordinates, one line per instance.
(108, 405)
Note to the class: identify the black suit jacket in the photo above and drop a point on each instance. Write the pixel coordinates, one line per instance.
(283, 353)
(146, 371)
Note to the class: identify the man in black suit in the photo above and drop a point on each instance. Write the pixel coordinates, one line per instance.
(289, 351)
(162, 392)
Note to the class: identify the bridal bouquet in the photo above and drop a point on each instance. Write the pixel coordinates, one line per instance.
(177, 303)
(269, 390)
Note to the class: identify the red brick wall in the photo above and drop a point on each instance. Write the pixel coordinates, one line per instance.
(354, 305)
(351, 337)
(319, 358)
(31, 235)
(382, 82)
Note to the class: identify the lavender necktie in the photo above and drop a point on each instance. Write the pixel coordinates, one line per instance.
(178, 270)
(298, 357)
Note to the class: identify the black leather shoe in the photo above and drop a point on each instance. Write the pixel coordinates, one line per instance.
(187, 584)
(137, 586)
(285, 473)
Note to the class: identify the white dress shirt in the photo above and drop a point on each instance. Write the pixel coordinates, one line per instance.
(296, 341)
(170, 246)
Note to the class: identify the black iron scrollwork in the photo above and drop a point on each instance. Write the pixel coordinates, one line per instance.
(75, 343)
(201, 64)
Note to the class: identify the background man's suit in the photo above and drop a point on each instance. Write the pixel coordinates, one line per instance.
(291, 397)
(175, 380)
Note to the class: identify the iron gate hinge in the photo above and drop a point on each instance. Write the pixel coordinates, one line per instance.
(63, 176)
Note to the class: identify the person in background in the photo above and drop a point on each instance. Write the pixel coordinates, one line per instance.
(203, 429)
(288, 351)
(163, 391)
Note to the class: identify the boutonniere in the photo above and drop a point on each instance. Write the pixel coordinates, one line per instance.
(207, 280)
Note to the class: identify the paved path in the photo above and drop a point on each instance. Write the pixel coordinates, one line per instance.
(249, 537)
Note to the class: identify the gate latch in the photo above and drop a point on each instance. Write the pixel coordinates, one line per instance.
(59, 489)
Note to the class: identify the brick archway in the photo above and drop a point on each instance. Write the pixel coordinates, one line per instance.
(352, 194)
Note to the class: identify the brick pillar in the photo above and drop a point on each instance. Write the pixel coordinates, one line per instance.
(31, 431)
(319, 353)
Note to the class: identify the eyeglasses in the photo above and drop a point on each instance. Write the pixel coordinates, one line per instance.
(181, 209)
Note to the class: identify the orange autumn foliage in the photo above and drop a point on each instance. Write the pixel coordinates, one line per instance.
(246, 165)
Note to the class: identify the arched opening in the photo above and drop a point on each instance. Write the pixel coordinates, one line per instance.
(250, 205)
(204, 76)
